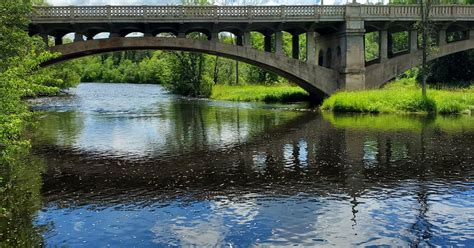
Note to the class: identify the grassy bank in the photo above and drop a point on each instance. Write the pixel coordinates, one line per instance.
(259, 93)
(402, 96)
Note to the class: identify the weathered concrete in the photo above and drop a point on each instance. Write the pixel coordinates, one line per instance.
(378, 74)
(383, 45)
(279, 43)
(315, 79)
(353, 63)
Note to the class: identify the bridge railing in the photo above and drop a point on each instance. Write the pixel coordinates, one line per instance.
(186, 11)
(247, 12)
(194, 12)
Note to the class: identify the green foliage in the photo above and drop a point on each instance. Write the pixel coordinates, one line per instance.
(372, 49)
(13, 22)
(187, 75)
(400, 41)
(251, 93)
(124, 67)
(20, 76)
(401, 96)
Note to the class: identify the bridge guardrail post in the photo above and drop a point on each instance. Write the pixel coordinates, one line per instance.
(71, 12)
(250, 12)
(109, 12)
(214, 12)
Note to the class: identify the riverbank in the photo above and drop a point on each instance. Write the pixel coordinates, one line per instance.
(259, 93)
(403, 96)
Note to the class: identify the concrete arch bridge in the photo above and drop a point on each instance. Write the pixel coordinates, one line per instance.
(334, 43)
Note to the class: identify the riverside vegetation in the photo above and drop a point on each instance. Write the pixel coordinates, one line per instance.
(403, 96)
(20, 173)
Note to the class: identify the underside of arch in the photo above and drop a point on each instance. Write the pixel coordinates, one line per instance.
(312, 78)
(378, 74)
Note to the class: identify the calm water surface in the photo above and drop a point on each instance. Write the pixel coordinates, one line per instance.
(134, 166)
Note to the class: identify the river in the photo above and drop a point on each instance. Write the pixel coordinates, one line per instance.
(134, 166)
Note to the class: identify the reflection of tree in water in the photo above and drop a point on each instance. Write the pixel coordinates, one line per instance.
(421, 229)
(20, 200)
(201, 125)
(59, 128)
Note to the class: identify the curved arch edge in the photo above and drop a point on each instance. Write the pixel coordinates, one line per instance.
(377, 75)
(312, 78)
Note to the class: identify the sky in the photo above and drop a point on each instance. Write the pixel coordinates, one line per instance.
(171, 2)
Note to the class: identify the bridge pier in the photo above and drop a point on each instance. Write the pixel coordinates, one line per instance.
(247, 39)
(78, 37)
(413, 41)
(214, 37)
(58, 41)
(279, 43)
(311, 47)
(268, 42)
(295, 46)
(442, 39)
(383, 45)
(45, 39)
(353, 62)
(113, 35)
(239, 40)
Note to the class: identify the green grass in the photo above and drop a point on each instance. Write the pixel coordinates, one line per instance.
(402, 96)
(259, 93)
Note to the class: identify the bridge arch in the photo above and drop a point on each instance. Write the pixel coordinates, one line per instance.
(317, 80)
(378, 74)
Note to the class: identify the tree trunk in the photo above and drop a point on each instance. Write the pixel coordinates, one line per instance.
(425, 10)
(216, 70)
(236, 72)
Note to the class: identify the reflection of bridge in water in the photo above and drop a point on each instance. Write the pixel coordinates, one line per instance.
(334, 59)
(304, 155)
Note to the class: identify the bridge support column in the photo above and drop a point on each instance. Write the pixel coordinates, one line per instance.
(279, 42)
(442, 40)
(45, 39)
(181, 35)
(58, 41)
(114, 35)
(214, 37)
(268, 43)
(311, 47)
(295, 45)
(247, 39)
(413, 41)
(383, 45)
(239, 40)
(78, 37)
(353, 72)
(471, 34)
(147, 35)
